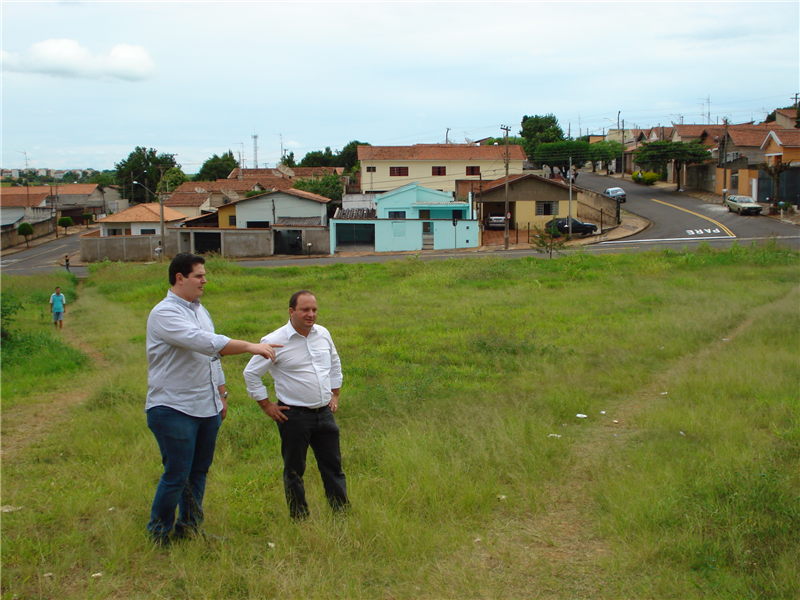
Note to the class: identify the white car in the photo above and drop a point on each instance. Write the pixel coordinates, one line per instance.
(617, 194)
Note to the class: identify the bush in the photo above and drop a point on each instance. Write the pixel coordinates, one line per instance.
(648, 177)
(8, 307)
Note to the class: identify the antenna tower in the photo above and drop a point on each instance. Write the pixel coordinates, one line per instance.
(255, 150)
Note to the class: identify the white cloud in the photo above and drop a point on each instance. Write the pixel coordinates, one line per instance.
(67, 58)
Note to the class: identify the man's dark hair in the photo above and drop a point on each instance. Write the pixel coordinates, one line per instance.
(183, 263)
(296, 295)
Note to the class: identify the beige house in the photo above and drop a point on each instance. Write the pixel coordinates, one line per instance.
(436, 166)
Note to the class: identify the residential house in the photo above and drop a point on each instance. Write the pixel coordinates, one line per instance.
(191, 204)
(786, 117)
(297, 218)
(410, 218)
(141, 219)
(24, 204)
(435, 166)
(783, 146)
(76, 199)
(286, 172)
(217, 193)
(534, 200)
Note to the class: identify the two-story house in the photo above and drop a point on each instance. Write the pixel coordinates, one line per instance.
(435, 166)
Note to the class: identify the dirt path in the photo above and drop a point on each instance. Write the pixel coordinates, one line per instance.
(560, 547)
(26, 423)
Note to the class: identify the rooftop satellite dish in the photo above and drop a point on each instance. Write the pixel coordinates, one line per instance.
(230, 194)
(285, 171)
(200, 190)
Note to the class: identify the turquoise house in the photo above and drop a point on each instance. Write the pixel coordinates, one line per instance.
(407, 219)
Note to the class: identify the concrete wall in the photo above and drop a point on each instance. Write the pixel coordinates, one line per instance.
(12, 238)
(235, 243)
(405, 235)
(358, 200)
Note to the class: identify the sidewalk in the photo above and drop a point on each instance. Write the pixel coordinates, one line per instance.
(74, 257)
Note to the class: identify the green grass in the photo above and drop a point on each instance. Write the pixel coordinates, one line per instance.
(456, 374)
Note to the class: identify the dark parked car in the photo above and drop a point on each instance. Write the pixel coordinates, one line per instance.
(577, 226)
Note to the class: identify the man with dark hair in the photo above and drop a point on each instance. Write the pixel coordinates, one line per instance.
(308, 376)
(58, 304)
(186, 396)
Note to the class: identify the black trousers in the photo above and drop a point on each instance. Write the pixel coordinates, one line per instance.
(316, 428)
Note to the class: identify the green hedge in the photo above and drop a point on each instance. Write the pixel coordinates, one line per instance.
(648, 177)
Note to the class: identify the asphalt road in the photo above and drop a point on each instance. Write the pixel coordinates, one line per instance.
(683, 221)
(43, 258)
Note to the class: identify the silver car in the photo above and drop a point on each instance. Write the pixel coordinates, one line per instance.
(744, 205)
(617, 194)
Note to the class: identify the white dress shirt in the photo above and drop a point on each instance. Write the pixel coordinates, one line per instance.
(305, 369)
(184, 370)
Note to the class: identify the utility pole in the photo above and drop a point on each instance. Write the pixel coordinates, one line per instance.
(507, 219)
(622, 173)
(569, 211)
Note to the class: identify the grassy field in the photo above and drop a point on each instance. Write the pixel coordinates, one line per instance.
(470, 474)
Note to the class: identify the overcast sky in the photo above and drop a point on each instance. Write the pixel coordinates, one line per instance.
(83, 83)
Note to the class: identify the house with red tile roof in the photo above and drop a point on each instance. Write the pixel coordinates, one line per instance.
(140, 219)
(435, 166)
(287, 172)
(29, 204)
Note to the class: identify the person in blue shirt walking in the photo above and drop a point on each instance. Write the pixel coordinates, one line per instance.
(58, 304)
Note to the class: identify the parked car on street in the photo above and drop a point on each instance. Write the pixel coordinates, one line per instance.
(577, 226)
(617, 194)
(744, 205)
(496, 221)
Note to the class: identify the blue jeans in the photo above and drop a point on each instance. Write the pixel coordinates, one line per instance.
(187, 450)
(318, 429)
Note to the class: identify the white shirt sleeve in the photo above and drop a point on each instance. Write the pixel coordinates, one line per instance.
(253, 372)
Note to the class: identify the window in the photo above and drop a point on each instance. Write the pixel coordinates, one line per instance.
(232, 220)
(397, 214)
(438, 170)
(258, 224)
(473, 170)
(546, 208)
(398, 171)
(371, 169)
(458, 214)
(148, 232)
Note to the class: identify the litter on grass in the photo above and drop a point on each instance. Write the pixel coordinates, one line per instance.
(8, 508)
(555, 435)
(581, 416)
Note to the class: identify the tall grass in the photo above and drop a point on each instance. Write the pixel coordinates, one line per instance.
(459, 375)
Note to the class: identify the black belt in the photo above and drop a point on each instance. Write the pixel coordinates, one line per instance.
(303, 408)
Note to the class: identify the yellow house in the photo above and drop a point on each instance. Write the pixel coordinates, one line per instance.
(436, 166)
(782, 145)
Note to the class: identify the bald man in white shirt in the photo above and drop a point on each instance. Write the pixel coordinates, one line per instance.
(308, 376)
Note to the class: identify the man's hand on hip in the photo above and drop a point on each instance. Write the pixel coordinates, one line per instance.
(273, 410)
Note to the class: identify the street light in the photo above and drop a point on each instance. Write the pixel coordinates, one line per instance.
(161, 211)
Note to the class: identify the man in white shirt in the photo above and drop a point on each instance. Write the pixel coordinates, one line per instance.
(308, 376)
(186, 396)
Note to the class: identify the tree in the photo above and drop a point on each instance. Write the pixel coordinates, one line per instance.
(558, 154)
(173, 178)
(144, 165)
(655, 155)
(65, 222)
(289, 160)
(330, 186)
(548, 239)
(538, 130)
(25, 229)
(348, 157)
(87, 219)
(217, 167)
(604, 152)
(775, 171)
(317, 158)
(105, 179)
